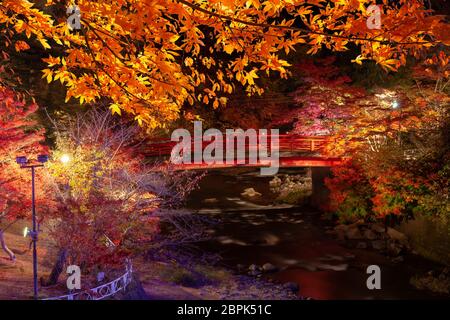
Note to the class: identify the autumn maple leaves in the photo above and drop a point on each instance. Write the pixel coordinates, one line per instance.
(151, 58)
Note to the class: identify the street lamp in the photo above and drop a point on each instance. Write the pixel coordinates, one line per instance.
(395, 104)
(65, 158)
(26, 164)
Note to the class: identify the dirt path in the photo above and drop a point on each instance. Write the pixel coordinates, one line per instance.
(16, 277)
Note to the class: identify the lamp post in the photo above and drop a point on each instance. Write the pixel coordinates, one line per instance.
(396, 105)
(26, 164)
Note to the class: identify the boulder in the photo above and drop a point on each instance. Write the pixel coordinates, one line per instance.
(397, 236)
(378, 244)
(353, 233)
(250, 193)
(268, 267)
(253, 267)
(394, 249)
(369, 234)
(357, 223)
(340, 231)
(378, 228)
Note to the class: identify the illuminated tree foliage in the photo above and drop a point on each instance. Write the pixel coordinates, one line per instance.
(402, 172)
(149, 57)
(329, 103)
(17, 137)
(107, 198)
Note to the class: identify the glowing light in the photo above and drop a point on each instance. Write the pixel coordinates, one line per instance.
(25, 232)
(395, 104)
(65, 158)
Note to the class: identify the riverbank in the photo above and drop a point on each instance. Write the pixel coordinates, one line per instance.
(171, 281)
(154, 280)
(269, 251)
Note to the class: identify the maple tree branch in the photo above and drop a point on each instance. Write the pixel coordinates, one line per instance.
(121, 86)
(270, 26)
(99, 65)
(124, 61)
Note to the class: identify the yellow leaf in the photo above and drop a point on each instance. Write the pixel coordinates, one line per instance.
(174, 38)
(44, 43)
(115, 109)
(229, 48)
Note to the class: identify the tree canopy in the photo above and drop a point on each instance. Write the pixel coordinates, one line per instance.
(150, 57)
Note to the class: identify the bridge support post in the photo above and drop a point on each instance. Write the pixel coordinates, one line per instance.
(320, 194)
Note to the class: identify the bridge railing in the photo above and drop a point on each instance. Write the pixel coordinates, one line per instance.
(287, 143)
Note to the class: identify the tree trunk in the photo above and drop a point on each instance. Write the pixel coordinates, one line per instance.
(5, 247)
(57, 268)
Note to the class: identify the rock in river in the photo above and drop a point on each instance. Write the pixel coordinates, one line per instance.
(397, 235)
(394, 249)
(251, 193)
(253, 267)
(370, 235)
(268, 267)
(378, 228)
(353, 233)
(340, 231)
(378, 244)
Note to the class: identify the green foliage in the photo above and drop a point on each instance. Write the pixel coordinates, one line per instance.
(294, 197)
(180, 276)
(193, 277)
(291, 189)
(354, 207)
(440, 284)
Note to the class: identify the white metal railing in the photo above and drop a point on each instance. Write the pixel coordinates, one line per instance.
(103, 291)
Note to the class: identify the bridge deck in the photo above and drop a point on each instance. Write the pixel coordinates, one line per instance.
(284, 162)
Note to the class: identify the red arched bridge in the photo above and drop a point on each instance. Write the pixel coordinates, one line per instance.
(294, 151)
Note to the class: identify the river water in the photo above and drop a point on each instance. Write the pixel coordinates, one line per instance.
(294, 239)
